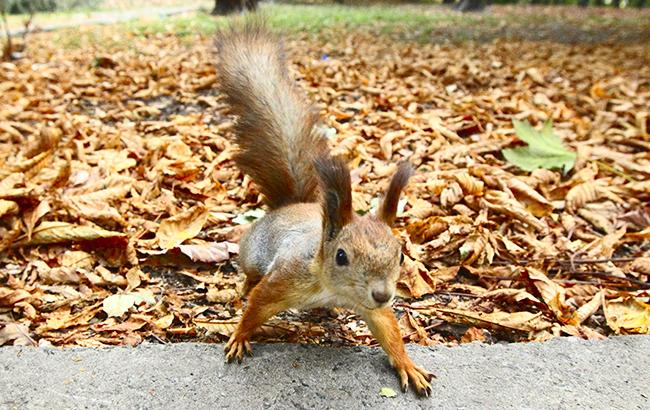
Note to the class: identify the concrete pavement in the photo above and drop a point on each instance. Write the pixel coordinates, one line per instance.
(562, 373)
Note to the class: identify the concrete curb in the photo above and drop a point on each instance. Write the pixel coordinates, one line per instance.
(562, 373)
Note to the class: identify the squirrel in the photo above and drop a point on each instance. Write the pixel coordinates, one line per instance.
(310, 249)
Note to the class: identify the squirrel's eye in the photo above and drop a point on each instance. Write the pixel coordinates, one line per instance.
(401, 258)
(341, 257)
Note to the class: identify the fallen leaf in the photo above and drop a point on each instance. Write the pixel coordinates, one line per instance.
(32, 218)
(133, 278)
(59, 232)
(628, 315)
(224, 327)
(118, 305)
(544, 149)
(7, 207)
(215, 295)
(387, 392)
(185, 225)
(165, 321)
(17, 333)
(249, 216)
(212, 252)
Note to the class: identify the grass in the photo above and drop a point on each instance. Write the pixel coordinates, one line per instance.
(412, 22)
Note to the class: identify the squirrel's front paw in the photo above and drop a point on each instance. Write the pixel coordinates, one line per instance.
(419, 378)
(236, 347)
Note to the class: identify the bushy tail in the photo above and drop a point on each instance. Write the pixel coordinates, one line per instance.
(275, 131)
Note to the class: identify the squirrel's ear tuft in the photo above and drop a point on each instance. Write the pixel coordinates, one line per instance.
(388, 207)
(334, 178)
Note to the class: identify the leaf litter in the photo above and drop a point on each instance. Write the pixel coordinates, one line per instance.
(120, 205)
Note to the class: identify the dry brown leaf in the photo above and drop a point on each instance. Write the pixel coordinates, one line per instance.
(553, 295)
(533, 200)
(9, 297)
(520, 321)
(451, 195)
(469, 184)
(185, 225)
(501, 202)
(110, 326)
(211, 252)
(17, 334)
(7, 207)
(60, 232)
(412, 278)
(59, 275)
(473, 334)
(640, 265)
(78, 259)
(224, 328)
(133, 278)
(585, 311)
(215, 295)
(32, 218)
(165, 321)
(597, 220)
(581, 194)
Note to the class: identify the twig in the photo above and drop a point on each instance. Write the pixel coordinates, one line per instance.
(580, 282)
(406, 336)
(644, 285)
(565, 261)
(614, 171)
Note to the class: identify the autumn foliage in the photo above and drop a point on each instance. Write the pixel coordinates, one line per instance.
(120, 205)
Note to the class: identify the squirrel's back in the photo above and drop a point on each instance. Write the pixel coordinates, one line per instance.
(275, 130)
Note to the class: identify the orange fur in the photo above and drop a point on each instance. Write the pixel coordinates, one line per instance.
(384, 327)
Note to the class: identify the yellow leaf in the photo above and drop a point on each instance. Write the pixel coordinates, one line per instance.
(165, 321)
(387, 392)
(117, 305)
(628, 315)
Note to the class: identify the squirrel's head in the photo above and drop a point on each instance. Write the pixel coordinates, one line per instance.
(359, 253)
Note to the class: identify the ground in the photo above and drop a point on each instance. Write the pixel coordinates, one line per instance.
(120, 206)
(563, 373)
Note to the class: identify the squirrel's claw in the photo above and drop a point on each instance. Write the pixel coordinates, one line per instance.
(418, 377)
(235, 348)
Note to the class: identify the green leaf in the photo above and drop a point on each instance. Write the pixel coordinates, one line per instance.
(387, 392)
(249, 216)
(544, 149)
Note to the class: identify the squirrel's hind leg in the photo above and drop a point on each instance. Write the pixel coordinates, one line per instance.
(250, 283)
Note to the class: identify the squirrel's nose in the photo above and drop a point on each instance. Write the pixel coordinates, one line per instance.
(380, 296)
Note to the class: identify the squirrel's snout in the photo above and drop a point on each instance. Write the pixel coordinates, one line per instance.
(380, 297)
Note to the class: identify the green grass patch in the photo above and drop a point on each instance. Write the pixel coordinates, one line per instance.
(415, 22)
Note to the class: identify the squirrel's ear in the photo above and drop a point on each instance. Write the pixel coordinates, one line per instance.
(334, 178)
(388, 207)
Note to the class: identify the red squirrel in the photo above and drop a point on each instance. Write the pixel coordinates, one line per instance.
(311, 249)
